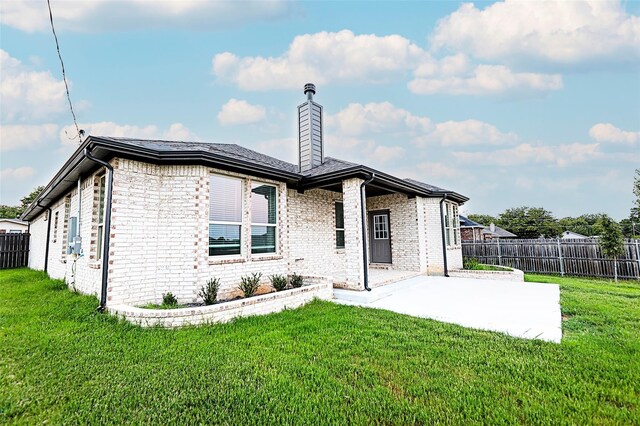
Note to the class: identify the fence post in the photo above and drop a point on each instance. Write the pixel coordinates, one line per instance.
(638, 257)
(499, 254)
(560, 257)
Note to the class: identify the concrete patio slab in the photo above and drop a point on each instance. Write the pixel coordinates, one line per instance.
(526, 310)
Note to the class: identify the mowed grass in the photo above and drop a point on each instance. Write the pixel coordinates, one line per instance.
(63, 363)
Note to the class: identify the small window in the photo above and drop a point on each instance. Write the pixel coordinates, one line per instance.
(55, 227)
(451, 224)
(339, 225)
(100, 240)
(225, 215)
(264, 212)
(380, 227)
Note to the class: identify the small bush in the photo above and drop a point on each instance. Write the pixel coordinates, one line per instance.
(471, 263)
(249, 284)
(168, 299)
(279, 282)
(210, 293)
(296, 281)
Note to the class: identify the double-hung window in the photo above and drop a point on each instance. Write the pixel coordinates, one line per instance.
(451, 223)
(264, 212)
(339, 225)
(225, 215)
(100, 240)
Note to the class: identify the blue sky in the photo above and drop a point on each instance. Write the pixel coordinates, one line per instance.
(510, 103)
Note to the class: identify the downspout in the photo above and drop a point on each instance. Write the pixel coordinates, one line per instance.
(107, 228)
(444, 240)
(363, 205)
(46, 250)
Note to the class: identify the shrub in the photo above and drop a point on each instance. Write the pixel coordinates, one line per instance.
(168, 299)
(471, 263)
(249, 284)
(296, 281)
(210, 293)
(279, 282)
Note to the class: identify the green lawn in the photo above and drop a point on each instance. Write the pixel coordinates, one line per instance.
(61, 362)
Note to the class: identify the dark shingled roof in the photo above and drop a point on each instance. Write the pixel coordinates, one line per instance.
(229, 150)
(465, 222)
(427, 186)
(330, 165)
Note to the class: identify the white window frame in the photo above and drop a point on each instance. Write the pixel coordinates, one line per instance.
(102, 180)
(336, 225)
(222, 222)
(452, 224)
(270, 225)
(383, 232)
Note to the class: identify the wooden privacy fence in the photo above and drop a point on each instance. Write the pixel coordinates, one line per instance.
(556, 256)
(14, 250)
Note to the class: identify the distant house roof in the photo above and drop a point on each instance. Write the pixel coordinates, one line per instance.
(232, 157)
(465, 222)
(15, 221)
(498, 232)
(572, 235)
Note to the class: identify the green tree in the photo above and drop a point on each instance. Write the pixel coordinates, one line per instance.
(583, 224)
(483, 219)
(611, 241)
(634, 214)
(9, 212)
(12, 212)
(530, 222)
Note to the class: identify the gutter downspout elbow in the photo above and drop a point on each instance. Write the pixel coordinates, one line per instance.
(444, 239)
(107, 228)
(46, 250)
(363, 205)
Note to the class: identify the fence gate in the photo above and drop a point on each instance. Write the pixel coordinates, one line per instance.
(14, 250)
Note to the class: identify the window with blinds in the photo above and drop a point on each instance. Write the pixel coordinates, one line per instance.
(339, 225)
(225, 215)
(264, 212)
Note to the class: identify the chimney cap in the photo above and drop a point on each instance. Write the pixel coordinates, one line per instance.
(310, 87)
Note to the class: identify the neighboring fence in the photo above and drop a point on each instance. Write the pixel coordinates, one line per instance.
(556, 256)
(14, 250)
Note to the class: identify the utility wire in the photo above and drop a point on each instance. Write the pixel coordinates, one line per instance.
(64, 76)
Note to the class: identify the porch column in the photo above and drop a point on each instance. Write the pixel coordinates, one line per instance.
(353, 261)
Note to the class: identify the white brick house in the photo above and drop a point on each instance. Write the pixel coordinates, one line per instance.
(157, 216)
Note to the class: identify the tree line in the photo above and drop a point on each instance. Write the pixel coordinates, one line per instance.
(536, 222)
(14, 212)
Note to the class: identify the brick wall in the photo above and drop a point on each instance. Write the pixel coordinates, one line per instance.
(405, 237)
(311, 231)
(435, 263)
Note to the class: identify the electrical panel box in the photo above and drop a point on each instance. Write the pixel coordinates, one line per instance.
(72, 227)
(77, 245)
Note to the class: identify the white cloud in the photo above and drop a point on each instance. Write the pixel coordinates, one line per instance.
(322, 58)
(19, 136)
(560, 32)
(28, 95)
(485, 80)
(468, 132)
(236, 112)
(383, 117)
(176, 131)
(434, 170)
(385, 154)
(179, 132)
(607, 132)
(104, 15)
(17, 174)
(559, 155)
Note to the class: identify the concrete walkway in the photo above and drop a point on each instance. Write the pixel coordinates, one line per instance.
(527, 310)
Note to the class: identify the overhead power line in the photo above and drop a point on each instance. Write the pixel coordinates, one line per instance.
(64, 75)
